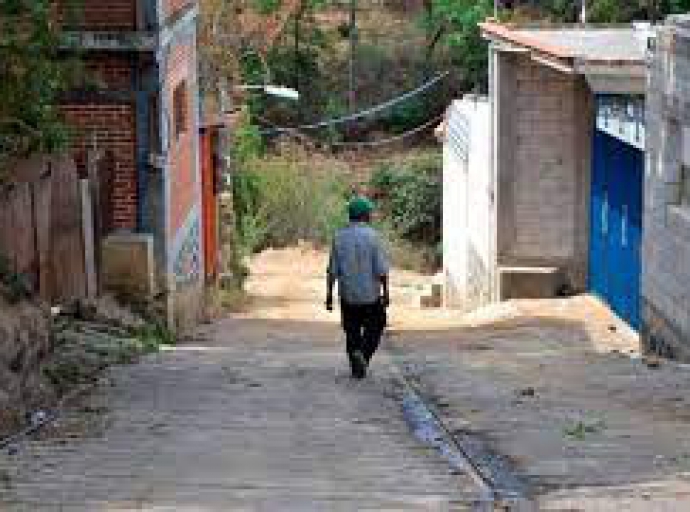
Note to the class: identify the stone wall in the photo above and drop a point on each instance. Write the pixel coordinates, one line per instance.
(666, 245)
(543, 121)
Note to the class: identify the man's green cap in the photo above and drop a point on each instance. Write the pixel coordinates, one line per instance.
(359, 206)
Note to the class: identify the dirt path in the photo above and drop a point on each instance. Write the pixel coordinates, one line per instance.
(256, 412)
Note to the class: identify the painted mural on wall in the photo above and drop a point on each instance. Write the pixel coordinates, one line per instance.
(187, 262)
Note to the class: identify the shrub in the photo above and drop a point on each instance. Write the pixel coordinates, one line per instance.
(410, 194)
(279, 202)
(409, 197)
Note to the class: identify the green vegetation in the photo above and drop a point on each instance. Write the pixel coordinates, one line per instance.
(410, 193)
(455, 23)
(13, 286)
(280, 198)
(581, 429)
(33, 76)
(280, 201)
(409, 196)
(83, 349)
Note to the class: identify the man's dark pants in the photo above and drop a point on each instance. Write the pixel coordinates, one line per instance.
(363, 325)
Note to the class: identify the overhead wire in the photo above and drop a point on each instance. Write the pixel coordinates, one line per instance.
(363, 113)
(391, 140)
(309, 141)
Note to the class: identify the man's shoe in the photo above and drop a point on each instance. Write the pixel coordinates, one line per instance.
(359, 365)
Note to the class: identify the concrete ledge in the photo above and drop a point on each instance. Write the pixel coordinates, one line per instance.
(128, 265)
(530, 282)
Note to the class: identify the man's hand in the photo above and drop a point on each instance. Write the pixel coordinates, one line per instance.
(329, 303)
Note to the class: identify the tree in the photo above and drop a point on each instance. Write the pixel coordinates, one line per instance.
(33, 77)
(613, 11)
(236, 37)
(456, 23)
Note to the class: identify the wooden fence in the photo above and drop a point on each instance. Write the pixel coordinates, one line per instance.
(51, 224)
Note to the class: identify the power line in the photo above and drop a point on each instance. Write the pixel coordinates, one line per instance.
(390, 140)
(362, 114)
(307, 140)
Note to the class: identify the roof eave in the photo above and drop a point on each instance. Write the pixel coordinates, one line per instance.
(612, 77)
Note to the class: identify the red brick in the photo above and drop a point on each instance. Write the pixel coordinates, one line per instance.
(182, 155)
(93, 120)
(99, 15)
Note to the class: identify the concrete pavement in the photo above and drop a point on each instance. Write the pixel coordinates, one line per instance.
(254, 413)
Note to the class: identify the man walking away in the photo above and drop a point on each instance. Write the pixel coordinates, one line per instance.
(360, 267)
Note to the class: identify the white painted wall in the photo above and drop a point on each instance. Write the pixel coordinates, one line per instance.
(467, 206)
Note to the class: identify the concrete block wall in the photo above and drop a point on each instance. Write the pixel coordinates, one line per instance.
(544, 117)
(666, 244)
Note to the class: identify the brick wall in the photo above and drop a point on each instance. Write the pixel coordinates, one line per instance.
(109, 71)
(100, 15)
(184, 188)
(542, 162)
(111, 127)
(666, 243)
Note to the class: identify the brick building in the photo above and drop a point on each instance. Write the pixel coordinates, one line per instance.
(666, 247)
(140, 107)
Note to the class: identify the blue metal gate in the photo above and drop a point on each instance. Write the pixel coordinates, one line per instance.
(616, 225)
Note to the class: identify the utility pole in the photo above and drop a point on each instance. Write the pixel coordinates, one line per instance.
(583, 12)
(353, 49)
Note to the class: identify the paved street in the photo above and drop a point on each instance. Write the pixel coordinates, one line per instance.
(557, 387)
(255, 412)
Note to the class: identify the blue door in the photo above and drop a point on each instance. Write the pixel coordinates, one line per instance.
(616, 225)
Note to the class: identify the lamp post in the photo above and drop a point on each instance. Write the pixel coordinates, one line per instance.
(278, 91)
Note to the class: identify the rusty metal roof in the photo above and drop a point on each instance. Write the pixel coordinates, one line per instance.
(624, 45)
(613, 59)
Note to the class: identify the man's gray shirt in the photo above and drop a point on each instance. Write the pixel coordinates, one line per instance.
(358, 262)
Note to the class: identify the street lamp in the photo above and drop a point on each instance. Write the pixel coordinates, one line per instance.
(278, 91)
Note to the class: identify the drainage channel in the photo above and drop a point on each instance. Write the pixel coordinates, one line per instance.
(498, 488)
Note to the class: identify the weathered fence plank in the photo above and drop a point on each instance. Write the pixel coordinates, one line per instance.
(41, 233)
(42, 193)
(69, 278)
